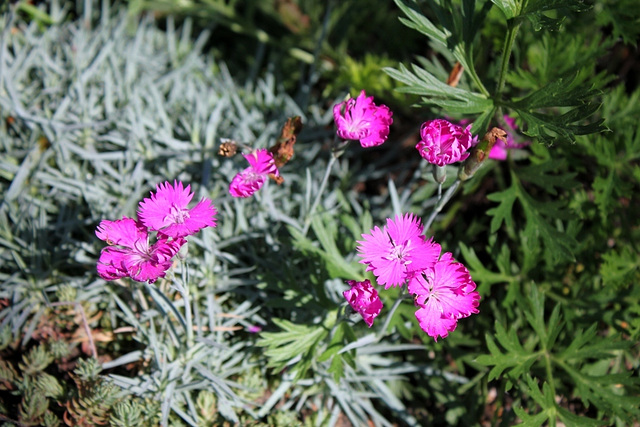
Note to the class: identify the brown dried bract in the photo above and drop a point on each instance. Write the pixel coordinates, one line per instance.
(480, 153)
(278, 179)
(455, 74)
(228, 148)
(283, 149)
(491, 137)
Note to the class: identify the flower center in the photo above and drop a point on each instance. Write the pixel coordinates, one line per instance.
(400, 252)
(178, 215)
(142, 251)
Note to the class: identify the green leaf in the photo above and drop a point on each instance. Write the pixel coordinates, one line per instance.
(336, 344)
(293, 341)
(482, 122)
(620, 267)
(585, 346)
(611, 391)
(327, 233)
(516, 360)
(533, 10)
(535, 6)
(623, 17)
(557, 111)
(607, 392)
(435, 92)
(547, 331)
(417, 21)
(503, 212)
(508, 7)
(456, 32)
(540, 175)
(559, 245)
(480, 274)
(550, 411)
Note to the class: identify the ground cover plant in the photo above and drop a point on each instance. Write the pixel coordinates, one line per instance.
(292, 227)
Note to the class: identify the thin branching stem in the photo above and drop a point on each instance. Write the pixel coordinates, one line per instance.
(478, 82)
(549, 369)
(336, 152)
(394, 307)
(184, 291)
(441, 203)
(509, 39)
(323, 184)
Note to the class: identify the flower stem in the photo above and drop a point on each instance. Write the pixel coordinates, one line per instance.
(507, 47)
(394, 307)
(441, 202)
(335, 153)
(477, 81)
(183, 288)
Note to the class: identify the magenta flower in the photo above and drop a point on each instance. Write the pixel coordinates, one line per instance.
(131, 255)
(364, 299)
(444, 294)
(443, 142)
(253, 178)
(111, 264)
(398, 250)
(362, 120)
(500, 149)
(167, 212)
(254, 329)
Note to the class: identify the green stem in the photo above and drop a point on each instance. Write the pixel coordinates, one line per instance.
(323, 184)
(549, 369)
(394, 307)
(184, 291)
(337, 151)
(441, 202)
(512, 32)
(478, 82)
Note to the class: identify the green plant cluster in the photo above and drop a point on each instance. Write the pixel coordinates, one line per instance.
(99, 104)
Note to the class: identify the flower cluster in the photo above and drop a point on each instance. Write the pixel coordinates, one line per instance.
(361, 120)
(166, 212)
(442, 288)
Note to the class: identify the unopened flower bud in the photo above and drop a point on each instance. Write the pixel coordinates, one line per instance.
(480, 153)
(439, 173)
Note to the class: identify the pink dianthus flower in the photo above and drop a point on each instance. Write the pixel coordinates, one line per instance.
(362, 120)
(443, 294)
(167, 211)
(253, 178)
(131, 255)
(443, 143)
(397, 250)
(364, 299)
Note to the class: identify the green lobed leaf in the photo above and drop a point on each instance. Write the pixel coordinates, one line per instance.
(557, 111)
(292, 341)
(620, 267)
(559, 245)
(456, 100)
